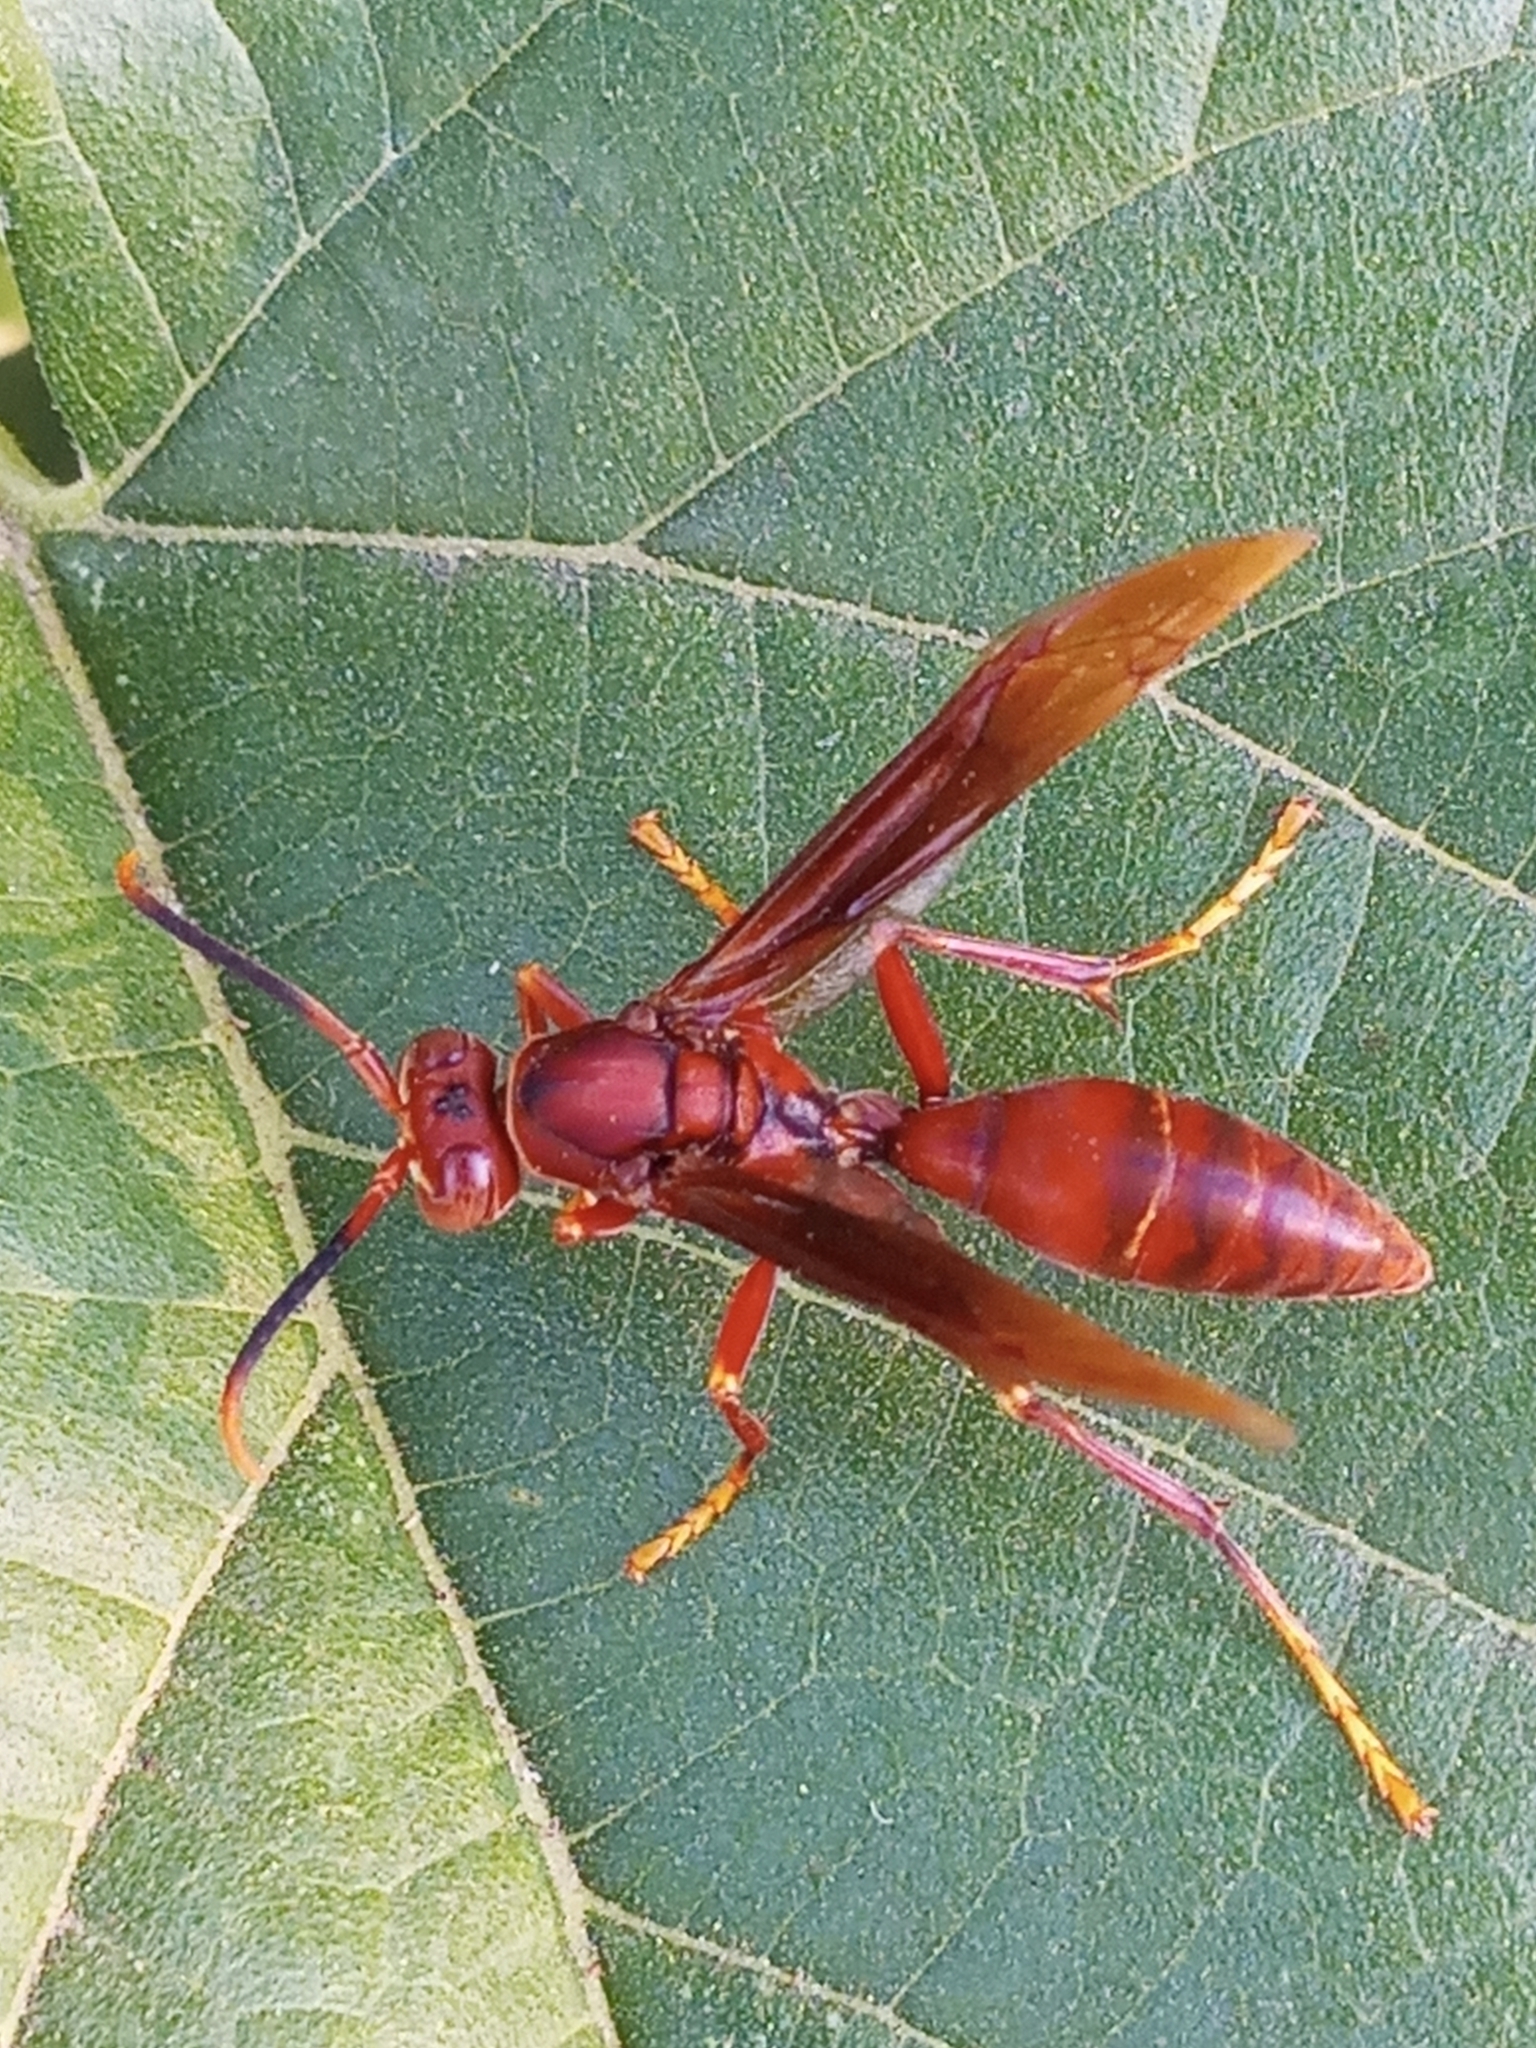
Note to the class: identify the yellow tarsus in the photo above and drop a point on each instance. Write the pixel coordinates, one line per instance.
(721, 1497)
(1296, 814)
(652, 837)
(1386, 1774)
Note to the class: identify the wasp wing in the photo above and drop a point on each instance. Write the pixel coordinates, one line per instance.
(1039, 690)
(845, 1229)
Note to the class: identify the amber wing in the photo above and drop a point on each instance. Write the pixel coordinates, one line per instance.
(849, 1231)
(1039, 690)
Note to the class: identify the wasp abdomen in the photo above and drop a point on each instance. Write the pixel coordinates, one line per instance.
(1136, 1184)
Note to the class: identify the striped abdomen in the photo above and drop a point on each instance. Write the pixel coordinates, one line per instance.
(1136, 1184)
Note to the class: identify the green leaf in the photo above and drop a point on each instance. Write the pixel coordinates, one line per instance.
(548, 417)
(292, 1797)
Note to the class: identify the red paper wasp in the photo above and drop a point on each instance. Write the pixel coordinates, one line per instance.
(688, 1102)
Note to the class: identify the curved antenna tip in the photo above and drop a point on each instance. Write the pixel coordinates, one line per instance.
(230, 1428)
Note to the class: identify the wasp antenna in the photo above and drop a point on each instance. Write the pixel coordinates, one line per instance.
(382, 1189)
(360, 1054)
